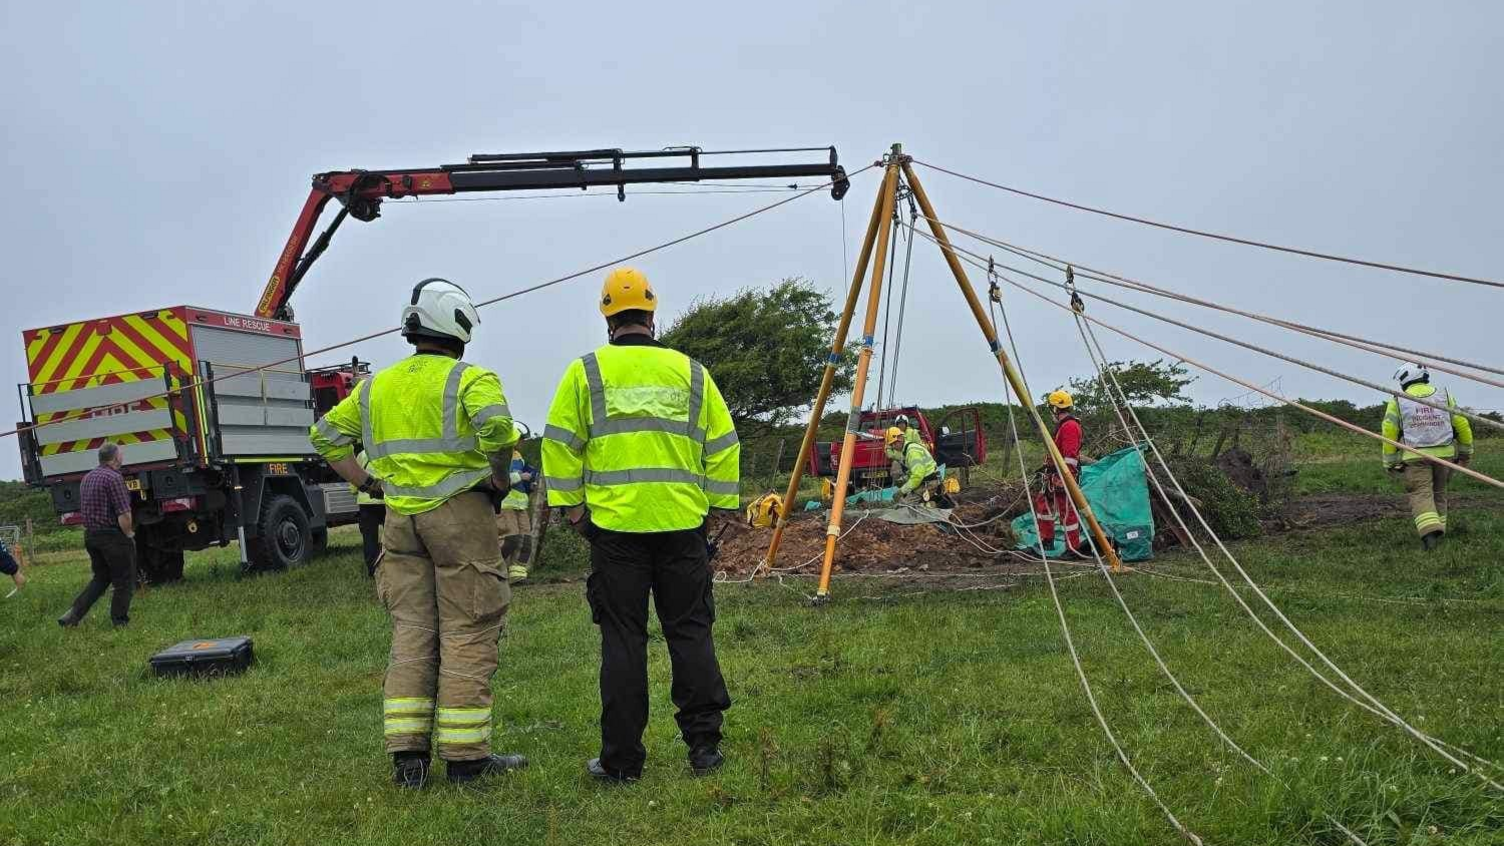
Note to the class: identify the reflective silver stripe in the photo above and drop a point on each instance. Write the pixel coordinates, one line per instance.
(696, 400)
(1072, 461)
(456, 483)
(724, 488)
(334, 436)
(365, 415)
(725, 441)
(562, 484)
(624, 425)
(452, 400)
(597, 387)
(490, 411)
(420, 446)
(645, 474)
(563, 436)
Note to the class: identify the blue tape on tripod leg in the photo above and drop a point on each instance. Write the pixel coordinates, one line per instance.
(833, 359)
(868, 340)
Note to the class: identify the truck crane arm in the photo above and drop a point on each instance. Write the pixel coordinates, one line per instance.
(360, 192)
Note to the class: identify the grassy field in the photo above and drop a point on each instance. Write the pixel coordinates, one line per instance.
(906, 711)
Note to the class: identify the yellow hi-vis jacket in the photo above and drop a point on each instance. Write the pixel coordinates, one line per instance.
(427, 423)
(919, 464)
(1461, 442)
(515, 500)
(640, 434)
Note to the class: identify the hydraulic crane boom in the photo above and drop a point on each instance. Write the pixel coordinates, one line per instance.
(360, 192)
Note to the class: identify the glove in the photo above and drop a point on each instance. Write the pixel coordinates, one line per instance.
(1395, 468)
(372, 487)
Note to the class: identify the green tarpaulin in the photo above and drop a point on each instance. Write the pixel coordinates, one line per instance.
(1118, 492)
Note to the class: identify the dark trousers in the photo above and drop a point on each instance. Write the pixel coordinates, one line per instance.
(112, 558)
(371, 518)
(673, 567)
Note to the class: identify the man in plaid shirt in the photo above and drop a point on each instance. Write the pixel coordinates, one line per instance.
(109, 537)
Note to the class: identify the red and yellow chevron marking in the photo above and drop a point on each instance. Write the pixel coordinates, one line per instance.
(108, 351)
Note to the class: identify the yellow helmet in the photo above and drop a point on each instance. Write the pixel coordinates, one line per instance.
(627, 288)
(894, 434)
(1060, 400)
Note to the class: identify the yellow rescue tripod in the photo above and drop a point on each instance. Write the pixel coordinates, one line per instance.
(897, 167)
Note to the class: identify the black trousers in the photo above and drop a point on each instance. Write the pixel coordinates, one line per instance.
(673, 567)
(371, 518)
(112, 559)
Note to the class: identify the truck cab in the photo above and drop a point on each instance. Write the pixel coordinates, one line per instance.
(957, 441)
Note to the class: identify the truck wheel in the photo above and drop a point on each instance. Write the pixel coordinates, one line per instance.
(282, 536)
(156, 566)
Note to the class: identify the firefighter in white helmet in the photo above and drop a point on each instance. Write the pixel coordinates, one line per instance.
(439, 438)
(1430, 431)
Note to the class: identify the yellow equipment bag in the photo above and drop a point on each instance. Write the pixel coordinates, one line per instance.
(764, 510)
(951, 485)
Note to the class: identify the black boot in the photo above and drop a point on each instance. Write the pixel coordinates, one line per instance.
(68, 620)
(410, 769)
(464, 772)
(598, 771)
(704, 760)
(1431, 541)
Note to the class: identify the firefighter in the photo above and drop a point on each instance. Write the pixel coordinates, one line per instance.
(640, 450)
(918, 466)
(1053, 503)
(439, 436)
(1432, 432)
(514, 524)
(910, 434)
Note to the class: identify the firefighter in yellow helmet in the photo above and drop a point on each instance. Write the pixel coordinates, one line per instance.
(639, 450)
(1052, 504)
(438, 436)
(918, 466)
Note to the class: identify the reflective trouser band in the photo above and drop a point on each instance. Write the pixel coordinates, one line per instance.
(1429, 520)
(408, 715)
(455, 483)
(464, 725)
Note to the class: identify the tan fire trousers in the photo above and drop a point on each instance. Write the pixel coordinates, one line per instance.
(1426, 485)
(441, 581)
(515, 529)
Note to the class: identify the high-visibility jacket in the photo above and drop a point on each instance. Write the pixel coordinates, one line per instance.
(427, 423)
(918, 463)
(516, 498)
(640, 434)
(361, 497)
(1427, 429)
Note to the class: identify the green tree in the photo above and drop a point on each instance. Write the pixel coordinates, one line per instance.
(766, 348)
(1145, 383)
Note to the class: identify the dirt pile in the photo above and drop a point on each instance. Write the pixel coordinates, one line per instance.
(875, 545)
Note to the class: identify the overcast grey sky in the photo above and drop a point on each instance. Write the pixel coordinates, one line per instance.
(158, 155)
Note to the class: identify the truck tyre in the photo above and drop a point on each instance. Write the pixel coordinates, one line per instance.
(283, 538)
(155, 566)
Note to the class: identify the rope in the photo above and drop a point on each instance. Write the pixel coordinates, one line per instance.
(1229, 238)
(1354, 341)
(1458, 468)
(538, 287)
(1256, 348)
(1065, 629)
(903, 302)
(888, 306)
(1378, 708)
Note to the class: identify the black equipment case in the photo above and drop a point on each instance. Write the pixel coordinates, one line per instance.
(222, 656)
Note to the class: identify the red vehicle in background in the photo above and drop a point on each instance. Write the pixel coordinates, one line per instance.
(956, 440)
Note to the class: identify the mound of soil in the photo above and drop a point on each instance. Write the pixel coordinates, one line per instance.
(875, 545)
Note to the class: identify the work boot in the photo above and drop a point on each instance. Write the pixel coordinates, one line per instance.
(704, 760)
(1430, 542)
(410, 769)
(464, 772)
(68, 620)
(516, 573)
(598, 771)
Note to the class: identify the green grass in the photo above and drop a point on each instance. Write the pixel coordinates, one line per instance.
(900, 713)
(1344, 462)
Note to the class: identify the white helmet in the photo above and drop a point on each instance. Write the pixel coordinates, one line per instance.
(1409, 373)
(903, 420)
(439, 309)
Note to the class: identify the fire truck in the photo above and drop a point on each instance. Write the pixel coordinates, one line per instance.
(212, 408)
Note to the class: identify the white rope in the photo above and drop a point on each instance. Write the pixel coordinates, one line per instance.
(1378, 708)
(1065, 628)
